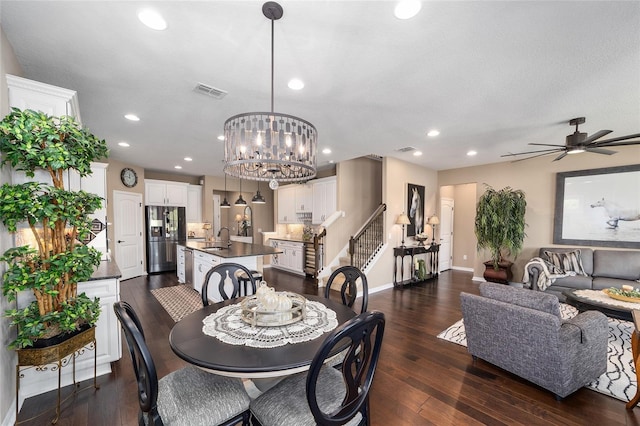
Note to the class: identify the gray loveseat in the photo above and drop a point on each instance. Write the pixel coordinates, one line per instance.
(521, 331)
(602, 268)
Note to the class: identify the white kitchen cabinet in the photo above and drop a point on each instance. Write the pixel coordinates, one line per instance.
(194, 204)
(180, 270)
(304, 198)
(324, 199)
(165, 193)
(291, 258)
(202, 262)
(287, 204)
(52, 100)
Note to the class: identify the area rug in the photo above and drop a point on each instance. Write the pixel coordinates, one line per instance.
(619, 381)
(179, 301)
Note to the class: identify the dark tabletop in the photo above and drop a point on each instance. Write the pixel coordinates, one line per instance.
(189, 342)
(583, 304)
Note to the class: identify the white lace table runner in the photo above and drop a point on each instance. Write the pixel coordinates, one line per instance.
(599, 296)
(227, 326)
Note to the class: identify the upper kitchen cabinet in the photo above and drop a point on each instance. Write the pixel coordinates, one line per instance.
(304, 198)
(324, 199)
(194, 204)
(287, 204)
(52, 100)
(165, 193)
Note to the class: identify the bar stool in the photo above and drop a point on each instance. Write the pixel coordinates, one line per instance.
(244, 281)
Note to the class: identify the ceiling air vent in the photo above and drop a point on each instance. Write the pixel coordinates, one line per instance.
(205, 89)
(374, 157)
(406, 149)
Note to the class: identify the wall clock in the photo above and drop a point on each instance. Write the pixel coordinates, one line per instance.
(129, 177)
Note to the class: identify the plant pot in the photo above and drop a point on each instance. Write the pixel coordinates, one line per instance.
(502, 275)
(59, 338)
(68, 343)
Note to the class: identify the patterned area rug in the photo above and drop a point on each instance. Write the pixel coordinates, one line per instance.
(179, 301)
(619, 381)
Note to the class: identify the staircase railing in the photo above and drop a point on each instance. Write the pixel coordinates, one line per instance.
(364, 245)
(318, 253)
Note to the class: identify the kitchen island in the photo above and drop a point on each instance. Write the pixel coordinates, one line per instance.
(208, 254)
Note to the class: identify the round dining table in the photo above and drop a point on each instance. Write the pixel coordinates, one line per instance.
(190, 343)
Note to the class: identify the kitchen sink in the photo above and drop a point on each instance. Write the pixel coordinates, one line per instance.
(215, 248)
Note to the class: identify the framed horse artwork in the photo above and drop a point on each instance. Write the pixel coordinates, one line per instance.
(598, 207)
(415, 209)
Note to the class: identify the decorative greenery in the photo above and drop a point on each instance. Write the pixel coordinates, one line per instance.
(57, 217)
(633, 292)
(500, 224)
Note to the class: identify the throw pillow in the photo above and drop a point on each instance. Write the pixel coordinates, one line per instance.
(567, 261)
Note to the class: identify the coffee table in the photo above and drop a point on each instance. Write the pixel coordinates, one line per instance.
(611, 309)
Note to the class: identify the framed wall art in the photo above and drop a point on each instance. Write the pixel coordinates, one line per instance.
(598, 207)
(415, 209)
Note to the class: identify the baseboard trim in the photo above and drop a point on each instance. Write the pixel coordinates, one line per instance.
(462, 268)
(380, 288)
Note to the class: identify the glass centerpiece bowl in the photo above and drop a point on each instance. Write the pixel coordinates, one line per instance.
(421, 238)
(268, 308)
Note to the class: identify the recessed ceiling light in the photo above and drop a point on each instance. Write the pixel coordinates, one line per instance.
(132, 117)
(326, 151)
(124, 144)
(471, 153)
(295, 84)
(417, 153)
(152, 19)
(406, 9)
(433, 133)
(177, 167)
(221, 137)
(188, 159)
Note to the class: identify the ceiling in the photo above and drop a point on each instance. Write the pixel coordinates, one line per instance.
(490, 76)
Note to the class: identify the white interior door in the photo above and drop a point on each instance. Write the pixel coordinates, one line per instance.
(446, 234)
(216, 214)
(127, 230)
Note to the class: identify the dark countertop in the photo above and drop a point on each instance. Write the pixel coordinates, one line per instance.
(106, 270)
(237, 249)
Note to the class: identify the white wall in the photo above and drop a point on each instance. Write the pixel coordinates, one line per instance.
(8, 65)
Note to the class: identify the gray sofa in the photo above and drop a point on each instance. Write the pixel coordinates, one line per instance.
(603, 269)
(521, 331)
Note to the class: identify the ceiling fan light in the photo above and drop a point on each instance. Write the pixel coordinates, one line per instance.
(576, 150)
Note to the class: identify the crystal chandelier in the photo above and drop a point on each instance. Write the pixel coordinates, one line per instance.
(270, 146)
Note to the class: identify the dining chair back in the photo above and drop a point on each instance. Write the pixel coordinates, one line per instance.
(227, 273)
(325, 395)
(182, 397)
(347, 278)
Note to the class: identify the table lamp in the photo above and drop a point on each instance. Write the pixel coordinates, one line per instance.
(403, 220)
(206, 226)
(433, 221)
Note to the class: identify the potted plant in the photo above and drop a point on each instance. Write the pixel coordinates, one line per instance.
(58, 218)
(499, 227)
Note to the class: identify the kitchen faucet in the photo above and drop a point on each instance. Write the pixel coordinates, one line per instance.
(228, 235)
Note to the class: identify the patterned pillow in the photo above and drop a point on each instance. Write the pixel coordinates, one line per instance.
(568, 261)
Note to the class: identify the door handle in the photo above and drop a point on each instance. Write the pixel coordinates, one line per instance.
(121, 241)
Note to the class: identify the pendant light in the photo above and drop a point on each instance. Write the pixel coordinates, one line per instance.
(240, 202)
(270, 146)
(225, 204)
(258, 198)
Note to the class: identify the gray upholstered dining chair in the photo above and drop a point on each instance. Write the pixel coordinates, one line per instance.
(189, 396)
(226, 272)
(347, 278)
(324, 395)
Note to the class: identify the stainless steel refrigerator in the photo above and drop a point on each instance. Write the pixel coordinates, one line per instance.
(166, 228)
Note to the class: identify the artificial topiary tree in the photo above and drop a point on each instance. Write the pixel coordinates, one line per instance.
(57, 217)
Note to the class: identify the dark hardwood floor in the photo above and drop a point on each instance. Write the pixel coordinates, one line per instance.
(420, 380)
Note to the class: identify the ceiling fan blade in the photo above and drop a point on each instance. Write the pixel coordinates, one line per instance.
(561, 156)
(619, 144)
(533, 156)
(596, 135)
(546, 144)
(600, 151)
(621, 138)
(544, 151)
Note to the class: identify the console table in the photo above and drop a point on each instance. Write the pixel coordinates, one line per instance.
(431, 263)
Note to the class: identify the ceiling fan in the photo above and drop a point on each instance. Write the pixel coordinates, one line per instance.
(580, 142)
